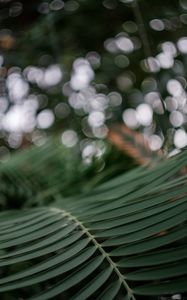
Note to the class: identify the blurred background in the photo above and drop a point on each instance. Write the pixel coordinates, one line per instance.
(76, 68)
(105, 79)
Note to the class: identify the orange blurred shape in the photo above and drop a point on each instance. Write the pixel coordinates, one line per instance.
(7, 41)
(132, 143)
(162, 233)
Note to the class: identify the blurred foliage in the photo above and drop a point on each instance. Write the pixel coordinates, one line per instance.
(83, 66)
(51, 168)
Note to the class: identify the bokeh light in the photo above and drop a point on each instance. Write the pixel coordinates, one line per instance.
(56, 75)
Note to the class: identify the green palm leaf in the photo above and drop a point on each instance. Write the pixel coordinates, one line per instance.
(125, 238)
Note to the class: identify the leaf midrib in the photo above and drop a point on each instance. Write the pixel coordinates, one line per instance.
(100, 248)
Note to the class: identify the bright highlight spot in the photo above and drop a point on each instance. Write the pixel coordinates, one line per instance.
(45, 119)
(96, 119)
(69, 138)
(130, 118)
(144, 114)
(180, 138)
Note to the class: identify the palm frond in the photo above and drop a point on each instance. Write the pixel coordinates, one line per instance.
(125, 238)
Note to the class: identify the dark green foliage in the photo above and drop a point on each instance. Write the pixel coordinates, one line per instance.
(124, 238)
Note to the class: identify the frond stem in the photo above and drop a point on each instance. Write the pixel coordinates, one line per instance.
(103, 252)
